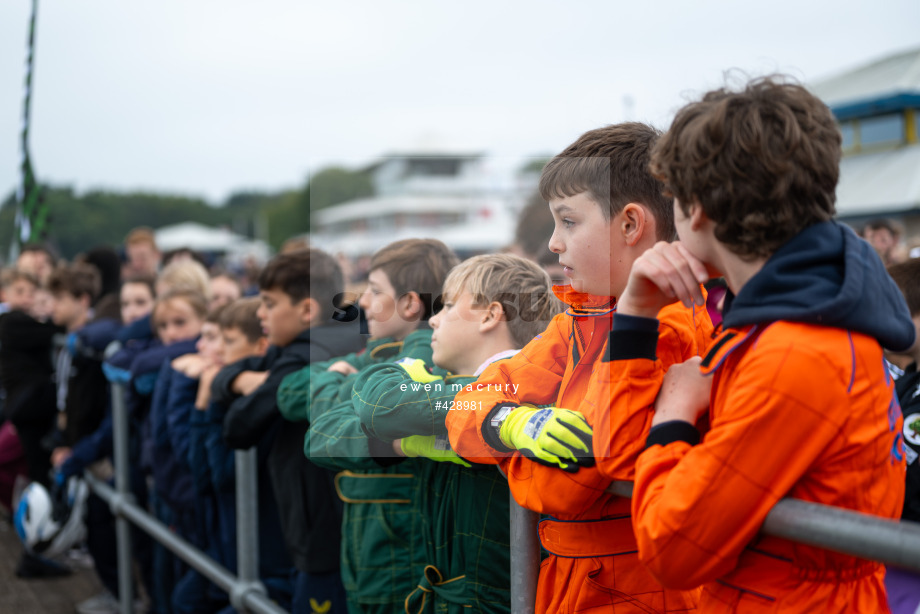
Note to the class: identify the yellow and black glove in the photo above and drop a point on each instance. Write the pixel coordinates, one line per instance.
(430, 446)
(551, 436)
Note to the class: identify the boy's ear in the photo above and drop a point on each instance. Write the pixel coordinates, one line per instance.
(309, 312)
(262, 345)
(410, 304)
(492, 316)
(635, 222)
(697, 217)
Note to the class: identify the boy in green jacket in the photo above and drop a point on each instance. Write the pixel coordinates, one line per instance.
(493, 305)
(382, 555)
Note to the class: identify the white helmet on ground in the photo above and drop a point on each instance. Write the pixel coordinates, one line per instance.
(50, 526)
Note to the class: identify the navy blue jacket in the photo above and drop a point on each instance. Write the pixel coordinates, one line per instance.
(310, 510)
(221, 471)
(171, 411)
(825, 275)
(98, 445)
(88, 399)
(26, 369)
(136, 366)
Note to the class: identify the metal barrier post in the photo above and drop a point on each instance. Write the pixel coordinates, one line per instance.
(525, 558)
(123, 489)
(247, 518)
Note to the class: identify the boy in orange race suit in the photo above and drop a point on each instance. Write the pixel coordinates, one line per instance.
(799, 399)
(538, 407)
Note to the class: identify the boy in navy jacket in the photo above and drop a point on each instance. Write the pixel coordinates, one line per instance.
(298, 292)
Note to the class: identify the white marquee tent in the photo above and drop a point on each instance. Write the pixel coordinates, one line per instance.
(234, 247)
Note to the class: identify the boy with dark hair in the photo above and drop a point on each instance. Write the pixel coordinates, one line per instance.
(382, 551)
(535, 412)
(466, 528)
(795, 388)
(240, 328)
(74, 287)
(18, 289)
(884, 236)
(297, 293)
(38, 260)
(82, 393)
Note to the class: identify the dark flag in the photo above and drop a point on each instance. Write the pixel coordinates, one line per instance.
(31, 214)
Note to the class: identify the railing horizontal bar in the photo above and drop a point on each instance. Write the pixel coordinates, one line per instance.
(845, 531)
(254, 600)
(863, 535)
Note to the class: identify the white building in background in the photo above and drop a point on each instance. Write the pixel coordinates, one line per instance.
(233, 248)
(878, 108)
(447, 196)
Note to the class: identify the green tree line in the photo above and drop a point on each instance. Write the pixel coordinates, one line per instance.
(80, 221)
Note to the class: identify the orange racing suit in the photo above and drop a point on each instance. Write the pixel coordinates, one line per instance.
(797, 410)
(593, 560)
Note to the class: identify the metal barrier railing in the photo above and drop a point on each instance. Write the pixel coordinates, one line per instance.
(245, 591)
(845, 531)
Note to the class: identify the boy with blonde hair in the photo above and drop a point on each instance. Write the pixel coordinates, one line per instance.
(493, 306)
(568, 413)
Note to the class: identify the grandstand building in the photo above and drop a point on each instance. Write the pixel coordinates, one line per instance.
(444, 196)
(878, 108)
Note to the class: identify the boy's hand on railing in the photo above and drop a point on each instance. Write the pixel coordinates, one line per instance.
(340, 366)
(551, 436)
(428, 446)
(247, 381)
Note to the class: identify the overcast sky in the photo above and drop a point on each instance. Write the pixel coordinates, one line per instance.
(208, 97)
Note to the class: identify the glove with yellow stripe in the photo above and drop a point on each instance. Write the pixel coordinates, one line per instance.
(417, 370)
(430, 446)
(551, 436)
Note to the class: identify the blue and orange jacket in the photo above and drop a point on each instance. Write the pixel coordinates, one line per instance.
(801, 406)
